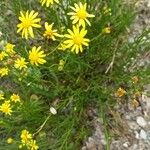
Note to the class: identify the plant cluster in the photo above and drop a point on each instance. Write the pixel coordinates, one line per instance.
(58, 59)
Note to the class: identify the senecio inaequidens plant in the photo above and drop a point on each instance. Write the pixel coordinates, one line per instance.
(74, 40)
(46, 79)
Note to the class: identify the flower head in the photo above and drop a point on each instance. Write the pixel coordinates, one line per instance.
(2, 55)
(48, 2)
(6, 108)
(120, 92)
(9, 140)
(9, 48)
(33, 145)
(49, 32)
(28, 21)
(36, 56)
(107, 30)
(25, 136)
(80, 14)
(20, 63)
(76, 39)
(15, 98)
(3, 71)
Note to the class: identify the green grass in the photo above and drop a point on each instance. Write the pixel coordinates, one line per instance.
(84, 82)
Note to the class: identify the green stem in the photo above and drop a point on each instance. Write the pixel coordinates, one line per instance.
(41, 127)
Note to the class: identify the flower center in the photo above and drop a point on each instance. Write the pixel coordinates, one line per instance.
(78, 40)
(27, 23)
(34, 57)
(81, 14)
(49, 34)
(6, 108)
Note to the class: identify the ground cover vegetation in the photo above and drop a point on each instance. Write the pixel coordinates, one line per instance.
(58, 58)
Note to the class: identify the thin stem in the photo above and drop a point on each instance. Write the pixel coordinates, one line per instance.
(41, 127)
(113, 59)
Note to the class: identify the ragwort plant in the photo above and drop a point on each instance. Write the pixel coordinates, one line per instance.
(58, 59)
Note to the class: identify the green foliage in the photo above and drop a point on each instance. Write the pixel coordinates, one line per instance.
(84, 81)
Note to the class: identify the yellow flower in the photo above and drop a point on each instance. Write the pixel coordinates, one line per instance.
(61, 65)
(3, 72)
(9, 140)
(9, 48)
(36, 56)
(6, 108)
(33, 145)
(2, 55)
(107, 30)
(76, 39)
(20, 63)
(25, 137)
(28, 21)
(1, 95)
(80, 14)
(49, 32)
(48, 2)
(15, 98)
(120, 92)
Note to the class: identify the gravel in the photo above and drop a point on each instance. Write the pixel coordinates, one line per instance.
(141, 121)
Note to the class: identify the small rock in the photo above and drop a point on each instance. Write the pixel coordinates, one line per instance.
(133, 125)
(134, 147)
(136, 135)
(141, 121)
(127, 117)
(126, 144)
(131, 40)
(148, 5)
(143, 134)
(103, 142)
(53, 110)
(148, 135)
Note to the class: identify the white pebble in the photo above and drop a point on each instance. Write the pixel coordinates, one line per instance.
(136, 135)
(143, 134)
(141, 121)
(133, 125)
(0, 33)
(148, 5)
(53, 110)
(126, 144)
(103, 142)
